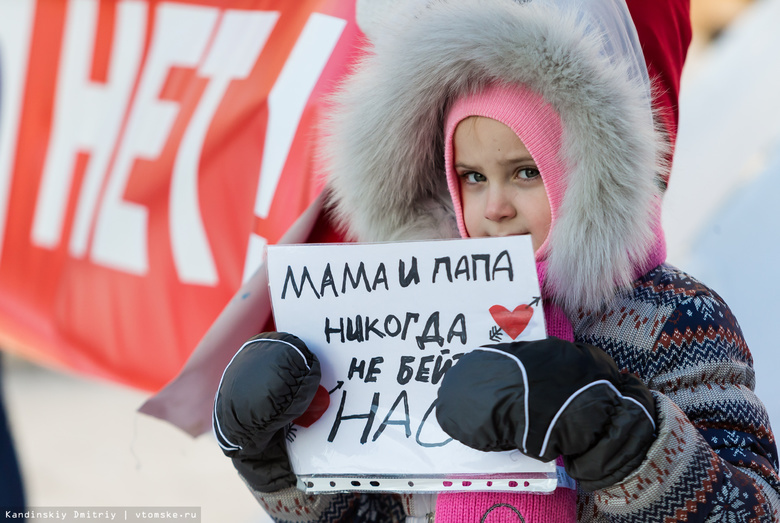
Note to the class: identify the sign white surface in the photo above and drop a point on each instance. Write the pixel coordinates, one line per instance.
(386, 321)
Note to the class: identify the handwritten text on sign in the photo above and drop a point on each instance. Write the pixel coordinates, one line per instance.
(387, 321)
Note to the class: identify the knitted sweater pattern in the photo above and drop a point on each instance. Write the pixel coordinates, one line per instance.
(715, 457)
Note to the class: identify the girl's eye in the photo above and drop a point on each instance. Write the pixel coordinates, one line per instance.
(473, 177)
(528, 173)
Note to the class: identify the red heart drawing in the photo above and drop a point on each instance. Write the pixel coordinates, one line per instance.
(515, 322)
(316, 409)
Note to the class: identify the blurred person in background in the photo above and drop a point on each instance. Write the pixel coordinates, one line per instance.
(11, 490)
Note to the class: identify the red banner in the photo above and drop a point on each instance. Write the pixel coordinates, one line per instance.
(148, 151)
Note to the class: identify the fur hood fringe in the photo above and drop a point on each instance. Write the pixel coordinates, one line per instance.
(384, 152)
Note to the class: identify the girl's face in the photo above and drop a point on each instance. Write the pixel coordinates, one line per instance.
(501, 190)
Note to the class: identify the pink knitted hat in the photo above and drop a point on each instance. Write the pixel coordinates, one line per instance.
(532, 119)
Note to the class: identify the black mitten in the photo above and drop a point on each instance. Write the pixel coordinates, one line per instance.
(549, 398)
(270, 382)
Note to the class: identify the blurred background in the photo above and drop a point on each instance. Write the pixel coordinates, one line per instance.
(80, 441)
(721, 219)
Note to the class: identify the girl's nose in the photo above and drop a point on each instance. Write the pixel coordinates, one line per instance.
(498, 206)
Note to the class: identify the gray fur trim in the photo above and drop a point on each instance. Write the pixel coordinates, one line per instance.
(384, 143)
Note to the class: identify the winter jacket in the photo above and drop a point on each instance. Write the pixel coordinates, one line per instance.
(714, 458)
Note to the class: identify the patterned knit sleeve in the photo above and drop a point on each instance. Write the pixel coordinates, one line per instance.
(715, 457)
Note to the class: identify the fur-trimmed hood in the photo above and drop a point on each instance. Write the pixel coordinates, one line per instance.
(384, 149)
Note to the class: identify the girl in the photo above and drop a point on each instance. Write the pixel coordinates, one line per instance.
(495, 117)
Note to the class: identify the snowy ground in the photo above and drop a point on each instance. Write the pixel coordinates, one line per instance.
(81, 443)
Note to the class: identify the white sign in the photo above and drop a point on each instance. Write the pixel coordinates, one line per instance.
(386, 322)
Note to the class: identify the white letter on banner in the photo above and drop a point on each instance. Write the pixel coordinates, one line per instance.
(240, 39)
(286, 103)
(16, 19)
(87, 117)
(181, 34)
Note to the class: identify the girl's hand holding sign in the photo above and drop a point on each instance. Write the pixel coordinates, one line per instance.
(270, 382)
(549, 398)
